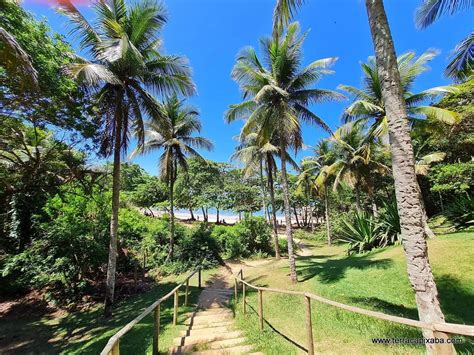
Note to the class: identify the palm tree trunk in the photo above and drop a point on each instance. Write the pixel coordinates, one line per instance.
(217, 215)
(192, 214)
(326, 214)
(406, 186)
(112, 262)
(271, 190)
(262, 186)
(286, 203)
(357, 195)
(296, 216)
(171, 195)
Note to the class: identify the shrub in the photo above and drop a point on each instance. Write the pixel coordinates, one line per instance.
(389, 223)
(461, 211)
(362, 233)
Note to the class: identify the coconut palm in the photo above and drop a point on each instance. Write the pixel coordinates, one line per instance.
(276, 97)
(369, 105)
(258, 157)
(126, 67)
(462, 64)
(317, 166)
(172, 130)
(403, 165)
(355, 161)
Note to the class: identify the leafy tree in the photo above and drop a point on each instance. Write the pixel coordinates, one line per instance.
(149, 193)
(126, 64)
(409, 202)
(462, 64)
(172, 131)
(33, 86)
(276, 100)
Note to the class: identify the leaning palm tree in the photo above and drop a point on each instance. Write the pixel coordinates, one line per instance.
(461, 66)
(369, 105)
(276, 97)
(172, 130)
(126, 67)
(406, 186)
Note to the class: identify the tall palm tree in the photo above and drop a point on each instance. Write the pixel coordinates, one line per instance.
(276, 98)
(403, 166)
(318, 166)
(369, 105)
(462, 64)
(172, 130)
(355, 162)
(126, 67)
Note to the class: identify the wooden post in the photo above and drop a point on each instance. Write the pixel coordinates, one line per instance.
(175, 313)
(309, 326)
(260, 308)
(156, 334)
(199, 278)
(243, 299)
(235, 290)
(186, 293)
(116, 348)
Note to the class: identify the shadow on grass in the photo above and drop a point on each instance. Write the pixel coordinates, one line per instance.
(332, 270)
(88, 332)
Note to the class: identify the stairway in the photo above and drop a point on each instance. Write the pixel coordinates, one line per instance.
(210, 328)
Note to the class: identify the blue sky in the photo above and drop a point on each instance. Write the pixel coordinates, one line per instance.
(211, 32)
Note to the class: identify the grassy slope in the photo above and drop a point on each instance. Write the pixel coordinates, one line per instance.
(375, 281)
(88, 332)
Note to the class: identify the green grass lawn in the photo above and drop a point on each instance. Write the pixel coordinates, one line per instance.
(87, 332)
(376, 281)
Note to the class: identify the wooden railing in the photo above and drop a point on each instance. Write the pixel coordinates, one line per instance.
(113, 345)
(438, 329)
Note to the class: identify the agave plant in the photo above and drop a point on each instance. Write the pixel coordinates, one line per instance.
(461, 211)
(389, 224)
(363, 233)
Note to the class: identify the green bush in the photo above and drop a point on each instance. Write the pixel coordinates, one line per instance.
(362, 233)
(461, 212)
(251, 236)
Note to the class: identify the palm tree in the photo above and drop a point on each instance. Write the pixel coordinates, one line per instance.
(172, 131)
(369, 105)
(462, 64)
(277, 95)
(355, 162)
(318, 166)
(403, 166)
(126, 67)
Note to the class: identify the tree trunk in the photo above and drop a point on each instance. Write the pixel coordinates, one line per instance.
(326, 214)
(286, 203)
(271, 189)
(375, 211)
(171, 194)
(192, 214)
(217, 216)
(112, 262)
(262, 186)
(296, 216)
(357, 194)
(406, 186)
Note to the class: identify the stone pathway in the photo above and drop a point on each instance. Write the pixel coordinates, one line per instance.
(210, 328)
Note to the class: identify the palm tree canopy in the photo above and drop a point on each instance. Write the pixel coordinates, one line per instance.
(126, 67)
(283, 13)
(172, 130)
(368, 102)
(277, 91)
(431, 10)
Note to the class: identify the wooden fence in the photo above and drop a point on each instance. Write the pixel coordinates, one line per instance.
(439, 329)
(113, 345)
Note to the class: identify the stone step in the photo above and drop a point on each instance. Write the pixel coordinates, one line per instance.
(205, 338)
(227, 343)
(204, 331)
(243, 349)
(221, 290)
(212, 325)
(208, 319)
(212, 312)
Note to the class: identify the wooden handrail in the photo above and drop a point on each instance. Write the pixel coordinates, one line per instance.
(112, 345)
(451, 328)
